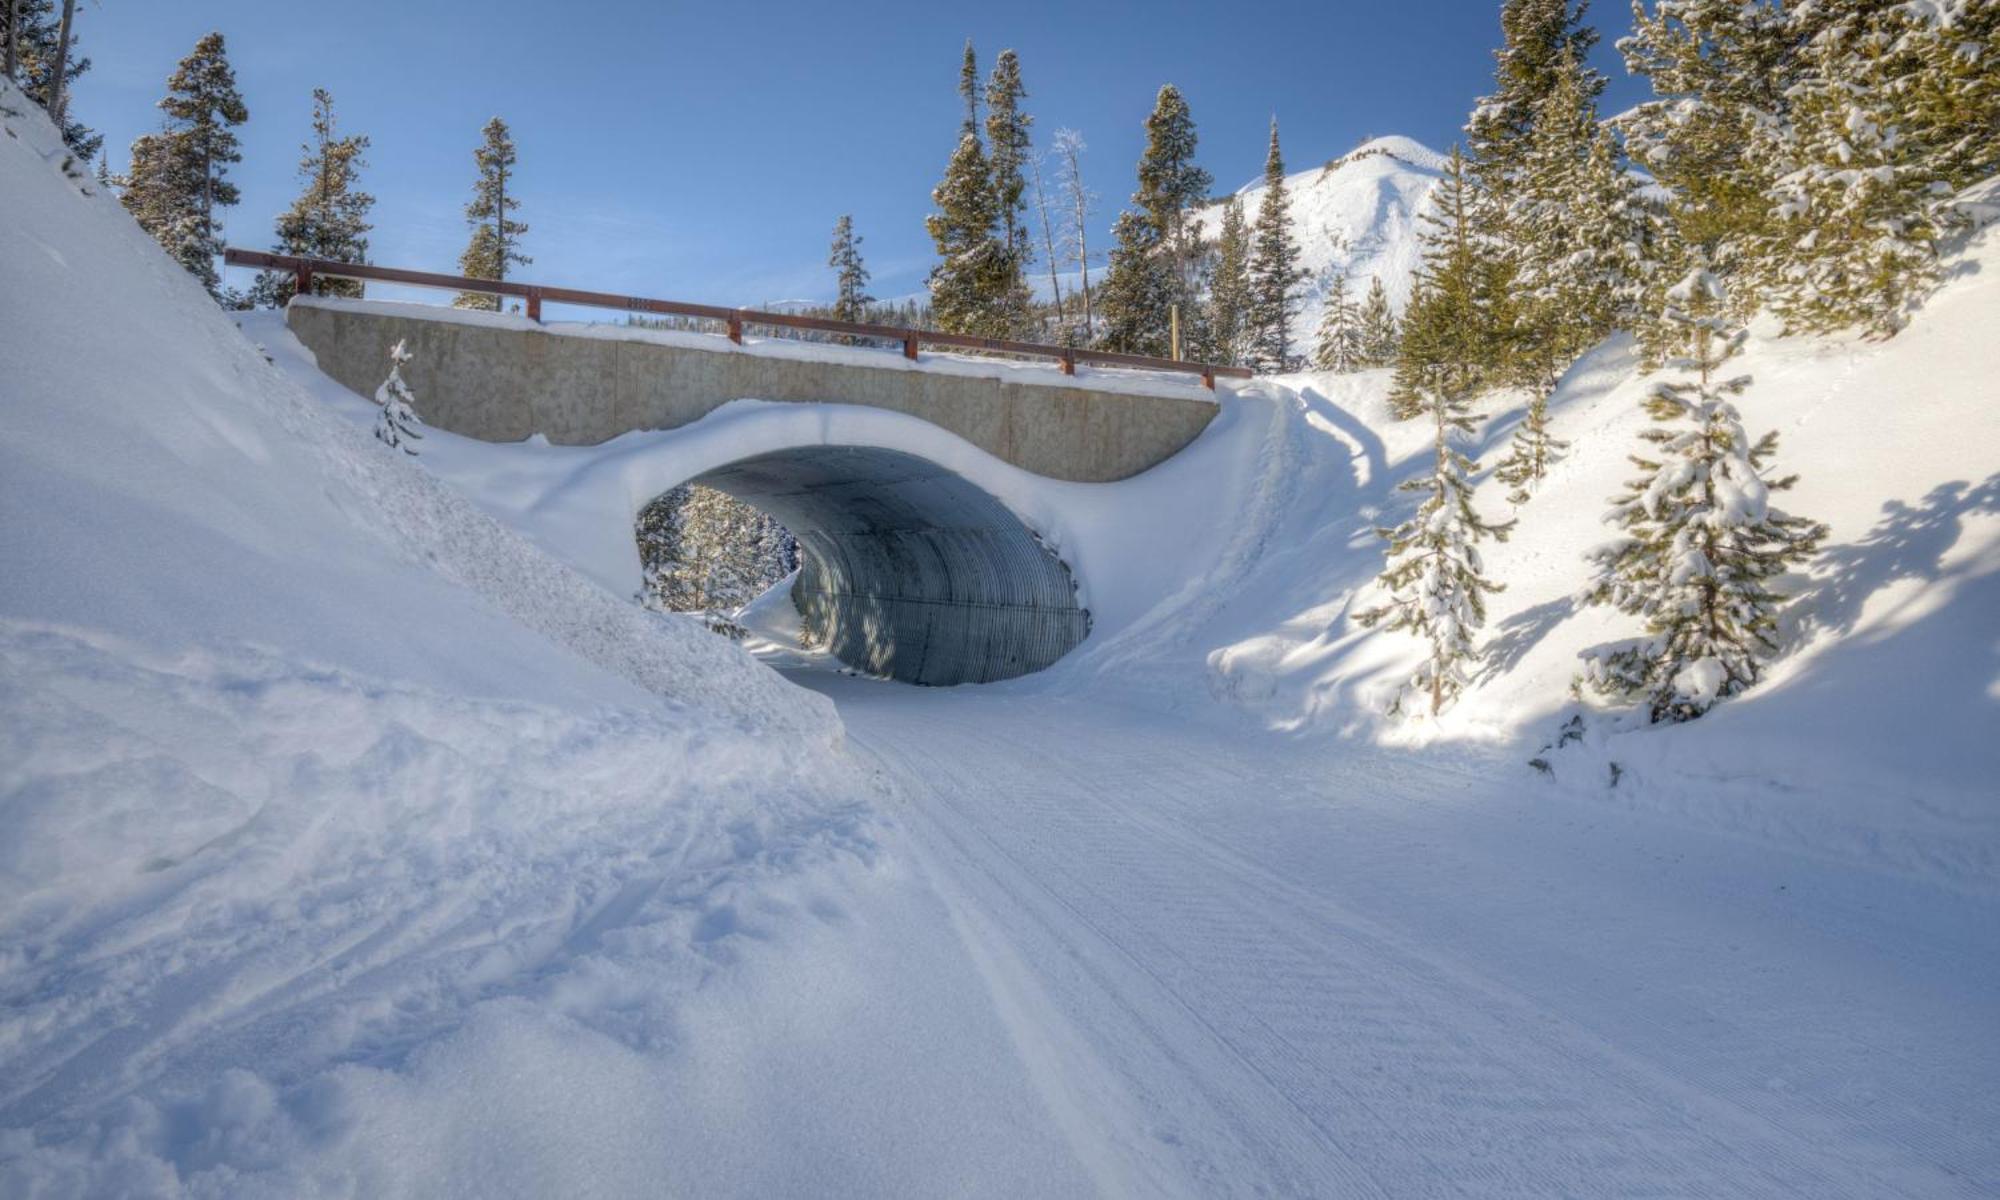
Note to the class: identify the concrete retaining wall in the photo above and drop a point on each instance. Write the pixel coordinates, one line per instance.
(502, 383)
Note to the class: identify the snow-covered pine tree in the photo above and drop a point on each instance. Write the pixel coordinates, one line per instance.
(852, 301)
(1701, 539)
(1229, 286)
(330, 217)
(33, 32)
(968, 286)
(1544, 47)
(1946, 73)
(1275, 273)
(702, 551)
(1158, 263)
(1381, 339)
(1138, 291)
(496, 236)
(397, 425)
(1339, 344)
(1859, 207)
(1719, 71)
(181, 177)
(1434, 576)
(1172, 189)
(1008, 147)
(1008, 151)
(162, 194)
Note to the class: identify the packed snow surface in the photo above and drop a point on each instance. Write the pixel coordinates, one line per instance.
(361, 838)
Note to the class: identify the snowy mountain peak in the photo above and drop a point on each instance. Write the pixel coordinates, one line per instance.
(1358, 214)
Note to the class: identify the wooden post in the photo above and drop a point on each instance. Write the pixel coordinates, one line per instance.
(910, 346)
(1069, 362)
(736, 328)
(535, 305)
(303, 278)
(1208, 377)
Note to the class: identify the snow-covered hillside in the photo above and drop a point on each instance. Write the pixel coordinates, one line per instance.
(1359, 214)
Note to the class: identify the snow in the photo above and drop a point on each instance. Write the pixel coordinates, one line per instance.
(364, 839)
(1360, 213)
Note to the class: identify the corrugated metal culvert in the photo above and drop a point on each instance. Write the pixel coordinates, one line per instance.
(911, 571)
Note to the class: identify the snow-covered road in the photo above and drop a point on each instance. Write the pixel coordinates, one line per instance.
(1235, 965)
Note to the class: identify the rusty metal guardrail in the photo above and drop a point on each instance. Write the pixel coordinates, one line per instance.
(734, 320)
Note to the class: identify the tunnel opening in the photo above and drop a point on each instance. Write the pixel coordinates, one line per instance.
(909, 571)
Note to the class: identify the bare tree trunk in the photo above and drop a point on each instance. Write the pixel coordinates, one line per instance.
(56, 94)
(1048, 241)
(1079, 197)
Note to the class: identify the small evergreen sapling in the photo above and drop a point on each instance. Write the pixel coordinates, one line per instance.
(1531, 452)
(1435, 576)
(397, 425)
(1381, 340)
(1339, 347)
(1701, 538)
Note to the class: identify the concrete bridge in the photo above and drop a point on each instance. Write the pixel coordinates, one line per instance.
(910, 571)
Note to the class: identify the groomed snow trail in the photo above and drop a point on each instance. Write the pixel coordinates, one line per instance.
(1240, 969)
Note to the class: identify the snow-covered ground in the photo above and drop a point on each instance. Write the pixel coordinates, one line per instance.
(361, 839)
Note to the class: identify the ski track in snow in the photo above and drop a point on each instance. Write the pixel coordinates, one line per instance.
(1276, 1041)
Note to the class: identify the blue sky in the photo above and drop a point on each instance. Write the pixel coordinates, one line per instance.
(702, 151)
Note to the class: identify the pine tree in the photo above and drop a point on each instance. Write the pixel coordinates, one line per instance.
(496, 236)
(162, 193)
(1449, 330)
(1545, 46)
(1531, 452)
(1229, 290)
(1339, 345)
(397, 425)
(853, 299)
(1381, 339)
(703, 551)
(179, 177)
(330, 217)
(33, 30)
(1859, 206)
(1173, 187)
(969, 285)
(1945, 75)
(1009, 149)
(1159, 260)
(1701, 538)
(1435, 577)
(1719, 72)
(968, 90)
(1275, 273)
(1138, 291)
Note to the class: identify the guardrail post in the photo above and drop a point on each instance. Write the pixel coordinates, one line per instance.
(736, 328)
(910, 346)
(1208, 378)
(1069, 362)
(303, 278)
(535, 305)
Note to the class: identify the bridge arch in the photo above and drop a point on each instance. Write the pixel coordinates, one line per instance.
(925, 559)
